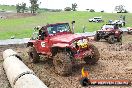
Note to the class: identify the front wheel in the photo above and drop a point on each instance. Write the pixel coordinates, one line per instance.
(111, 39)
(62, 63)
(129, 32)
(96, 38)
(33, 55)
(94, 57)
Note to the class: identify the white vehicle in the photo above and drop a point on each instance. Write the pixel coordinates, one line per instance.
(120, 23)
(96, 19)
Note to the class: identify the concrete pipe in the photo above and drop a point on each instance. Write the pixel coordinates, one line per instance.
(29, 81)
(8, 52)
(18, 74)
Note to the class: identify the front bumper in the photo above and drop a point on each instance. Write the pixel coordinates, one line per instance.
(102, 34)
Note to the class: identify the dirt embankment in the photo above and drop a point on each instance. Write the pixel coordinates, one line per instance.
(6, 15)
(115, 63)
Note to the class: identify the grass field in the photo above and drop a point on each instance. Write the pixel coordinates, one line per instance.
(23, 27)
(7, 8)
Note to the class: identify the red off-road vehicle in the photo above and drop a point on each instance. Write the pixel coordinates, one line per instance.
(109, 32)
(129, 30)
(58, 42)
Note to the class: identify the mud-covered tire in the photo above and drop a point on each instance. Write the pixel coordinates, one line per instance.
(62, 63)
(111, 39)
(119, 39)
(94, 57)
(129, 32)
(33, 55)
(96, 38)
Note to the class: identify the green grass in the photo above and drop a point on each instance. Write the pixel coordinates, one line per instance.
(7, 8)
(23, 27)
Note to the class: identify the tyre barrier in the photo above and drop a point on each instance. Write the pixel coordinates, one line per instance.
(18, 74)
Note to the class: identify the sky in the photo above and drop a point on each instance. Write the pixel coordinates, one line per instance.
(97, 5)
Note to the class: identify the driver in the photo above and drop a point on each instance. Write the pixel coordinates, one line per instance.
(42, 33)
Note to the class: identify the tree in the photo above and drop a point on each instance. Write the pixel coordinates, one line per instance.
(23, 7)
(120, 9)
(91, 10)
(67, 9)
(87, 9)
(125, 11)
(102, 11)
(74, 6)
(34, 6)
(18, 8)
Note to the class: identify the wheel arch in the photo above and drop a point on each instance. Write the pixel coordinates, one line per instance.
(57, 49)
(30, 44)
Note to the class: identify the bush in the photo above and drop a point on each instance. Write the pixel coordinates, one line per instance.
(91, 10)
(68, 9)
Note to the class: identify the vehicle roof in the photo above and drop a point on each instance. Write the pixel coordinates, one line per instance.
(55, 24)
(97, 17)
(52, 25)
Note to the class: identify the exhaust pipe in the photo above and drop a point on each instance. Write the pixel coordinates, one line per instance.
(18, 74)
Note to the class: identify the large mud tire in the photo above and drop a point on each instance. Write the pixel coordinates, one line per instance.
(33, 55)
(62, 63)
(119, 39)
(93, 58)
(111, 39)
(96, 38)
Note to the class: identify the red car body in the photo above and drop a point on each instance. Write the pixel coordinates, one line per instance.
(61, 40)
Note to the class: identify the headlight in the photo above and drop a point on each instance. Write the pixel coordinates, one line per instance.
(81, 42)
(107, 32)
(85, 41)
(116, 32)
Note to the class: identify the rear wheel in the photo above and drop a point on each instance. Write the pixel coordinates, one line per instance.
(33, 55)
(94, 57)
(111, 39)
(62, 63)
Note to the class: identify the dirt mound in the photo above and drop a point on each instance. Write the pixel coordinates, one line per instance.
(115, 63)
(15, 15)
(120, 47)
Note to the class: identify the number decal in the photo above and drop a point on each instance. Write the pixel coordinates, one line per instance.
(43, 44)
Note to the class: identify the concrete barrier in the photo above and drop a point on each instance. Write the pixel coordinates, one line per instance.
(18, 74)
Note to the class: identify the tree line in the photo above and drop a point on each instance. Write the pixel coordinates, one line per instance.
(21, 7)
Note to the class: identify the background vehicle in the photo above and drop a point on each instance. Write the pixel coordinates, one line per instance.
(120, 23)
(110, 33)
(129, 30)
(58, 42)
(96, 19)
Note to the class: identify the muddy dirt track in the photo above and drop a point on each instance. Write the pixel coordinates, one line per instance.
(115, 63)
